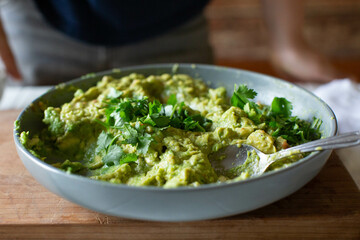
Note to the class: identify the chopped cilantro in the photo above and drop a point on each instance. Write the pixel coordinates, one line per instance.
(120, 113)
(277, 117)
(152, 113)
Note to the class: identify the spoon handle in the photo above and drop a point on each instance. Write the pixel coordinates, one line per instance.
(340, 141)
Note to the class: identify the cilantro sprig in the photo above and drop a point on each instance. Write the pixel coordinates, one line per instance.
(277, 117)
(112, 154)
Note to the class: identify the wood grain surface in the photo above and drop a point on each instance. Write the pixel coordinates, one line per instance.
(327, 208)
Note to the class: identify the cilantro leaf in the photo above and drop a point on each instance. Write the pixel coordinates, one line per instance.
(124, 112)
(113, 156)
(172, 100)
(113, 93)
(131, 157)
(144, 142)
(103, 142)
(191, 124)
(129, 133)
(176, 123)
(246, 92)
(281, 107)
(116, 156)
(161, 121)
(241, 95)
(154, 107)
(204, 123)
(240, 98)
(148, 120)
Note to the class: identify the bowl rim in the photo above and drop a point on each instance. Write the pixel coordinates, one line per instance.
(202, 187)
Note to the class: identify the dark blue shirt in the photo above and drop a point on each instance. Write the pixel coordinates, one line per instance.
(117, 22)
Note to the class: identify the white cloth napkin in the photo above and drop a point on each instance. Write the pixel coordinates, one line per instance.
(17, 97)
(343, 96)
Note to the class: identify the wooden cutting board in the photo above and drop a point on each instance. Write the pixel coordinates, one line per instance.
(328, 208)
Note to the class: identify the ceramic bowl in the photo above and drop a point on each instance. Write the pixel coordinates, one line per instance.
(183, 203)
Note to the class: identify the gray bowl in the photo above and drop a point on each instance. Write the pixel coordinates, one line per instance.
(183, 203)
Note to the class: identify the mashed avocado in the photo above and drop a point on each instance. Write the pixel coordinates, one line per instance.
(154, 130)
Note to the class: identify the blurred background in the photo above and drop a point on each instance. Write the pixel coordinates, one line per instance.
(239, 37)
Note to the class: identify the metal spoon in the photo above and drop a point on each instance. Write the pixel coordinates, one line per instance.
(232, 156)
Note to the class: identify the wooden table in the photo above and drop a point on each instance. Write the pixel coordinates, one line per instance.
(328, 208)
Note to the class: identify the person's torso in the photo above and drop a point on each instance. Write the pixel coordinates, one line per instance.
(117, 22)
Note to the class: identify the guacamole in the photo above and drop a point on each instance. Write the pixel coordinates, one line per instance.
(160, 130)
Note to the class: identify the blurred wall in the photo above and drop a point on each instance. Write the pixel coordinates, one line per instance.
(238, 32)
